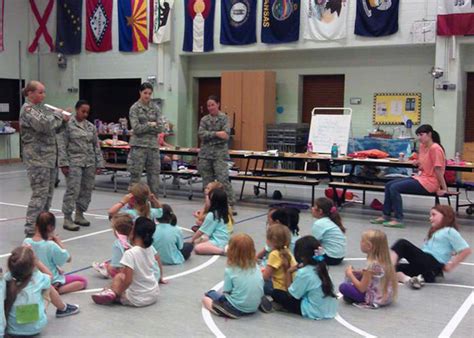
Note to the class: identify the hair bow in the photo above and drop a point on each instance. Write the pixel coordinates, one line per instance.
(333, 210)
(318, 255)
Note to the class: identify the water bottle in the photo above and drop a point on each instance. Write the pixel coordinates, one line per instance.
(457, 158)
(310, 147)
(174, 165)
(334, 151)
(114, 138)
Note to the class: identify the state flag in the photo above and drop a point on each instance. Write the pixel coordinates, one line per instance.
(376, 17)
(199, 25)
(238, 22)
(160, 20)
(133, 30)
(280, 21)
(69, 26)
(455, 17)
(99, 25)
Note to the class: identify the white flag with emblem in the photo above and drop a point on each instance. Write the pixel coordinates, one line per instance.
(325, 19)
(160, 20)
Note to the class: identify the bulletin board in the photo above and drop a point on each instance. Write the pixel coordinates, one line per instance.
(391, 108)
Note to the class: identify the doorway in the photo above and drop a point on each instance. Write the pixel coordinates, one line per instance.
(207, 86)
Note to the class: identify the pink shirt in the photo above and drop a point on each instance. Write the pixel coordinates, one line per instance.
(430, 158)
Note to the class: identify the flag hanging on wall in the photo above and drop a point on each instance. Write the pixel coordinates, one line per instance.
(133, 30)
(280, 21)
(238, 22)
(199, 25)
(376, 17)
(69, 26)
(40, 27)
(160, 20)
(2, 9)
(325, 19)
(455, 17)
(99, 25)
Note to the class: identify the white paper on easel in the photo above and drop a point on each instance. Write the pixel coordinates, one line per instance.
(326, 129)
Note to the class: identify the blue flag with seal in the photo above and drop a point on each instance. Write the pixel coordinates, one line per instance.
(376, 17)
(69, 26)
(199, 25)
(280, 21)
(238, 22)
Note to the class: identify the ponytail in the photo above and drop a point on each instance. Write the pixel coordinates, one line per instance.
(329, 210)
(427, 128)
(168, 215)
(144, 228)
(307, 251)
(43, 221)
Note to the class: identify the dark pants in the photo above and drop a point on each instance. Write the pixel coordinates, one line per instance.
(419, 262)
(268, 287)
(332, 261)
(393, 199)
(286, 300)
(186, 250)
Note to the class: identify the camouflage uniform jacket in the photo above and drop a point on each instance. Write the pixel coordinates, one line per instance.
(78, 145)
(38, 128)
(143, 134)
(213, 147)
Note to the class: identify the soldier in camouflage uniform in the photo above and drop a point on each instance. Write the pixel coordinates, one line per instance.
(214, 133)
(38, 127)
(146, 122)
(80, 158)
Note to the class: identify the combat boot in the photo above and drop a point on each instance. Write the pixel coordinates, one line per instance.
(80, 219)
(69, 224)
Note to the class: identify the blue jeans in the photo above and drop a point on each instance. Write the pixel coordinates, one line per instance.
(219, 297)
(393, 199)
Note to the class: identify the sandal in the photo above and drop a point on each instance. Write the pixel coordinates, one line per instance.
(378, 220)
(393, 224)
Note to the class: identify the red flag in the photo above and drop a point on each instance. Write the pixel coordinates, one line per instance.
(99, 25)
(41, 21)
(2, 6)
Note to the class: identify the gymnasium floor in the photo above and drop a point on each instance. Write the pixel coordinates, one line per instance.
(438, 309)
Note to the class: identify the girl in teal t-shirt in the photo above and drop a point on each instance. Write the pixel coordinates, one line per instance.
(212, 237)
(168, 239)
(311, 293)
(140, 202)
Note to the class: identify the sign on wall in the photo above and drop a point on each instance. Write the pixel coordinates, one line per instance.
(395, 108)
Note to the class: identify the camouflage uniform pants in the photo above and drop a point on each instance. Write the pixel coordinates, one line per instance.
(141, 158)
(42, 187)
(79, 186)
(216, 170)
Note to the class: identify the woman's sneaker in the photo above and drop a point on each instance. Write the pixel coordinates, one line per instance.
(416, 282)
(101, 268)
(105, 297)
(265, 305)
(71, 309)
(223, 309)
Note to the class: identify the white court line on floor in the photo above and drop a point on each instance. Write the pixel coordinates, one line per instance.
(451, 285)
(210, 261)
(353, 328)
(207, 317)
(458, 317)
(364, 259)
(12, 172)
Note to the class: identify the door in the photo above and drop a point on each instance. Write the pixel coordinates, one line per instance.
(10, 99)
(322, 91)
(207, 86)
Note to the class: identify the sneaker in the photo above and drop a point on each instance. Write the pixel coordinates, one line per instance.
(223, 308)
(104, 297)
(416, 282)
(393, 224)
(278, 307)
(265, 305)
(195, 228)
(71, 309)
(101, 268)
(378, 220)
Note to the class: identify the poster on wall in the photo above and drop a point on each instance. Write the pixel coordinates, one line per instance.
(395, 108)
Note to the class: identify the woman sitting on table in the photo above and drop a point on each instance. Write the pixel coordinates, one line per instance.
(431, 165)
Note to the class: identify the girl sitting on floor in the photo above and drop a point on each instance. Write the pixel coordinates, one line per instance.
(200, 214)
(376, 285)
(51, 252)
(311, 293)
(140, 202)
(26, 290)
(279, 260)
(328, 229)
(436, 254)
(243, 282)
(212, 237)
(136, 285)
(122, 225)
(168, 239)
